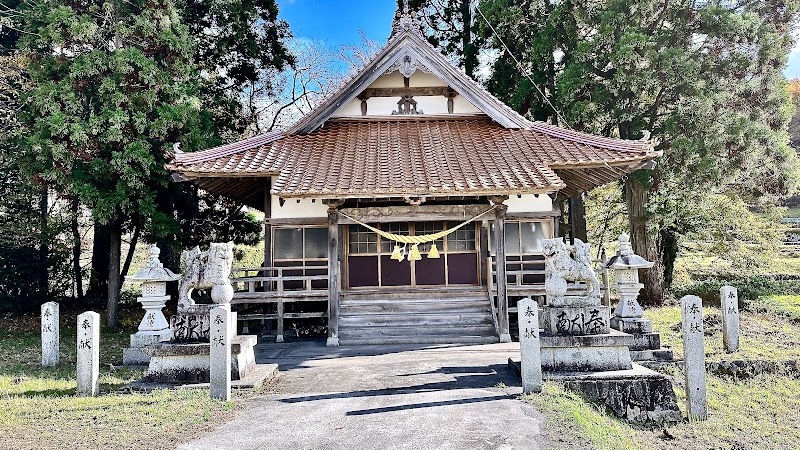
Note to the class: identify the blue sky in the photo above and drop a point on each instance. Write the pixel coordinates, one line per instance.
(338, 21)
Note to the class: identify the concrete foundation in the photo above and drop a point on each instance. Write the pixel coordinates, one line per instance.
(189, 363)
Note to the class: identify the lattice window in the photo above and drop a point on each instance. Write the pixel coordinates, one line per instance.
(362, 240)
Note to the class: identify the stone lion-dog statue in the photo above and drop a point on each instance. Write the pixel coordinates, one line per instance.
(207, 270)
(563, 264)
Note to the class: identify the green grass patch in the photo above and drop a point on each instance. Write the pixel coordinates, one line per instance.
(762, 335)
(781, 305)
(40, 408)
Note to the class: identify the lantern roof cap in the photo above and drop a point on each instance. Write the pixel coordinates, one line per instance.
(154, 270)
(626, 258)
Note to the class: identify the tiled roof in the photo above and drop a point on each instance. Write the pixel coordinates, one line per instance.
(415, 156)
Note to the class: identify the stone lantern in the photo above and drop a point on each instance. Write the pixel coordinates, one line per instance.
(154, 326)
(629, 316)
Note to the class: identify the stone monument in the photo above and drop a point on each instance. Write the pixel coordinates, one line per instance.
(153, 327)
(629, 315)
(529, 346)
(184, 358)
(88, 359)
(577, 334)
(50, 334)
(729, 303)
(220, 352)
(694, 357)
(579, 347)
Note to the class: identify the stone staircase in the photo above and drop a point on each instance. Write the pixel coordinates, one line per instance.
(419, 316)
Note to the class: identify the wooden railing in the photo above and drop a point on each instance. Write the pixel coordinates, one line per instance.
(518, 286)
(271, 286)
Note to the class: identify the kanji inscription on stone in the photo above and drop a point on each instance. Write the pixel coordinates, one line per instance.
(88, 361)
(529, 346)
(50, 334)
(220, 364)
(730, 318)
(694, 357)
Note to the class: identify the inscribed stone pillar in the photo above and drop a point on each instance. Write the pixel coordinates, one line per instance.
(222, 332)
(694, 358)
(88, 370)
(529, 346)
(50, 334)
(729, 302)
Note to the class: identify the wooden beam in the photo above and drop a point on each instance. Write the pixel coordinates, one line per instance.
(443, 91)
(502, 281)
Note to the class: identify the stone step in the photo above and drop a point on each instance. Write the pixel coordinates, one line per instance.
(415, 319)
(420, 340)
(415, 330)
(662, 354)
(475, 306)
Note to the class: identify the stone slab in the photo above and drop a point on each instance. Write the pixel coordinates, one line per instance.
(585, 359)
(729, 303)
(694, 357)
(573, 301)
(631, 325)
(661, 354)
(646, 341)
(576, 320)
(88, 357)
(530, 346)
(613, 338)
(50, 334)
(220, 354)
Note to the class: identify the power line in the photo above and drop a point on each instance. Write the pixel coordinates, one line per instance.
(521, 69)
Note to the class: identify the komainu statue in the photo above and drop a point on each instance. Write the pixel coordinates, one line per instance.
(562, 265)
(206, 270)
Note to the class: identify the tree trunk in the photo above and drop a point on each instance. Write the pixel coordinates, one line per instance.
(98, 279)
(114, 277)
(76, 251)
(668, 245)
(469, 48)
(44, 247)
(577, 219)
(636, 195)
(131, 250)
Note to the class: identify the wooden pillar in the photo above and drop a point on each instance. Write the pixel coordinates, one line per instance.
(333, 272)
(502, 280)
(267, 226)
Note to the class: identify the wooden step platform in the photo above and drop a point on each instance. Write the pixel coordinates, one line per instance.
(420, 316)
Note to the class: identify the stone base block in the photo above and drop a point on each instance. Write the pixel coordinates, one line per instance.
(638, 394)
(189, 363)
(136, 354)
(573, 300)
(661, 354)
(585, 359)
(632, 325)
(647, 341)
(577, 321)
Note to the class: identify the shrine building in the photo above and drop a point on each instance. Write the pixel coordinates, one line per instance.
(410, 206)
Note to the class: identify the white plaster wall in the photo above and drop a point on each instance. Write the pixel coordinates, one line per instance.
(382, 106)
(291, 209)
(529, 203)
